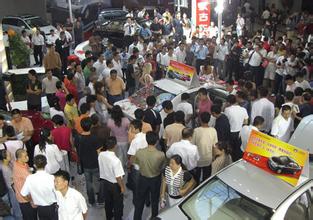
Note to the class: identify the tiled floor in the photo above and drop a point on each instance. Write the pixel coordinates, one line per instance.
(96, 213)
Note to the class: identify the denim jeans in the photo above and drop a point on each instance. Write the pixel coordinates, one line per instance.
(15, 205)
(92, 183)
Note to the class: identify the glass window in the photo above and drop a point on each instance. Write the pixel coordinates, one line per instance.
(10, 21)
(301, 208)
(36, 22)
(216, 200)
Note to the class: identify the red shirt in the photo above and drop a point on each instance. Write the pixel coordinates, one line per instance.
(71, 87)
(205, 106)
(61, 137)
(266, 46)
(62, 99)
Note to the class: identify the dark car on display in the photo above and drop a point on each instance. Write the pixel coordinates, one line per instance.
(283, 165)
(114, 29)
(39, 120)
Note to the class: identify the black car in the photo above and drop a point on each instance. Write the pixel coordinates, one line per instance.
(283, 165)
(114, 29)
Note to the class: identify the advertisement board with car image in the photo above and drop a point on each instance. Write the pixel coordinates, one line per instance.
(281, 159)
(182, 74)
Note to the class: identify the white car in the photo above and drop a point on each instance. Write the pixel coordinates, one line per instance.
(244, 191)
(26, 22)
(167, 89)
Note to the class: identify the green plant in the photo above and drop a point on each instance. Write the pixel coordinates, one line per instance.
(19, 51)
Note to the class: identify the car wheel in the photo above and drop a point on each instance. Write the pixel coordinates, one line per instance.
(279, 171)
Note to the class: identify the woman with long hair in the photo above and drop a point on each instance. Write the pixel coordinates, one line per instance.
(176, 181)
(49, 150)
(222, 157)
(118, 125)
(102, 104)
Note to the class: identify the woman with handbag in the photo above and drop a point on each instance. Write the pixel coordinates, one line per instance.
(176, 181)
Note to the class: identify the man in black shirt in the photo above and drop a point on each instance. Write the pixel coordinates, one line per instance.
(306, 108)
(130, 75)
(178, 28)
(156, 27)
(62, 46)
(222, 125)
(88, 147)
(151, 116)
(168, 109)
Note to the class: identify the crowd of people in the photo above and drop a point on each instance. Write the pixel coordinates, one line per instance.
(267, 75)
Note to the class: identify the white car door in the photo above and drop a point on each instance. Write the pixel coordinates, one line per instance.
(298, 206)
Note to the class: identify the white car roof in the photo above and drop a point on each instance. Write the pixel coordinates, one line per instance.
(257, 184)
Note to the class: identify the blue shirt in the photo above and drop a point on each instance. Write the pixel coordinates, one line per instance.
(201, 53)
(145, 32)
(108, 55)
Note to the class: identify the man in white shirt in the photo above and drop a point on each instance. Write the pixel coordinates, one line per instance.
(185, 107)
(265, 108)
(112, 185)
(49, 86)
(38, 41)
(301, 82)
(280, 71)
(40, 186)
(240, 24)
(139, 142)
(184, 148)
(72, 204)
(180, 52)
(129, 31)
(11, 144)
(283, 124)
(213, 30)
(245, 132)
(237, 117)
(169, 56)
(221, 51)
(106, 71)
(255, 60)
(100, 65)
(52, 37)
(117, 64)
(290, 83)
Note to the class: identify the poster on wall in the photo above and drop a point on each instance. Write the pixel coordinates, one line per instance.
(201, 15)
(279, 158)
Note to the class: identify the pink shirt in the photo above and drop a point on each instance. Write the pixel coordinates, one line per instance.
(61, 137)
(205, 106)
(121, 133)
(62, 100)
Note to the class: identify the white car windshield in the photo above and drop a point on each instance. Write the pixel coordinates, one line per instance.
(139, 97)
(216, 200)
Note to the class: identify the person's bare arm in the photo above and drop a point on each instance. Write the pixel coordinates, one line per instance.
(163, 188)
(3, 139)
(121, 184)
(187, 187)
(85, 215)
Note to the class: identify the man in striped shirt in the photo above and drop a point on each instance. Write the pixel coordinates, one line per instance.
(20, 173)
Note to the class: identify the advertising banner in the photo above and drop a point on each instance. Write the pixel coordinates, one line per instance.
(275, 156)
(201, 12)
(181, 73)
